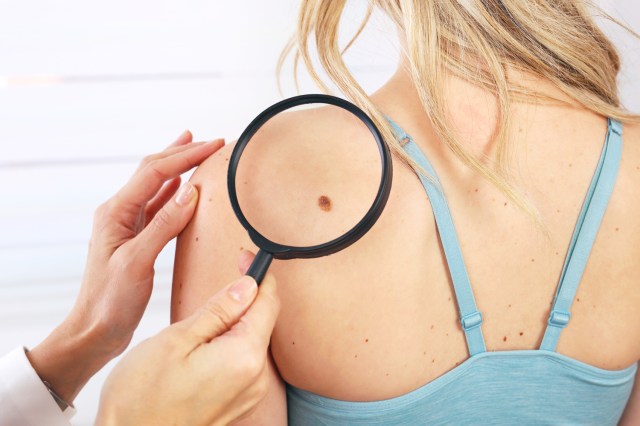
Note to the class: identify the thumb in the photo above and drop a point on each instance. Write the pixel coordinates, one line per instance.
(221, 311)
(167, 223)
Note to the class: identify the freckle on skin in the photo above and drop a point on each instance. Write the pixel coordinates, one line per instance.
(197, 239)
(509, 305)
(180, 285)
(241, 248)
(521, 333)
(431, 326)
(448, 298)
(570, 165)
(578, 299)
(556, 253)
(432, 361)
(293, 343)
(324, 203)
(532, 259)
(366, 340)
(504, 339)
(210, 199)
(558, 210)
(355, 356)
(476, 190)
(617, 229)
(179, 302)
(505, 204)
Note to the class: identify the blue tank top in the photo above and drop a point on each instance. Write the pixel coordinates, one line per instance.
(541, 387)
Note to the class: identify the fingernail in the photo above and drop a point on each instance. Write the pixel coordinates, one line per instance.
(185, 194)
(243, 289)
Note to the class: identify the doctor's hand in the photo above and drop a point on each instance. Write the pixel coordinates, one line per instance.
(210, 368)
(129, 231)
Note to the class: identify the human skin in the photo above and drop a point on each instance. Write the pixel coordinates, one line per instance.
(383, 311)
(223, 345)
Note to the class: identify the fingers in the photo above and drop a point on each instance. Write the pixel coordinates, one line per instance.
(246, 259)
(166, 224)
(220, 313)
(168, 190)
(156, 170)
(185, 138)
(258, 323)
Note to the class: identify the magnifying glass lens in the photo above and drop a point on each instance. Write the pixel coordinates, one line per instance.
(308, 175)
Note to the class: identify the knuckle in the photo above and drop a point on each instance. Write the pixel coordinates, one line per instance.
(153, 167)
(123, 261)
(146, 160)
(220, 312)
(161, 220)
(251, 360)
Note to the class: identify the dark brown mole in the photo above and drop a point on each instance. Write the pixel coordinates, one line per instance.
(324, 203)
(504, 339)
(293, 343)
(366, 340)
(521, 333)
(578, 299)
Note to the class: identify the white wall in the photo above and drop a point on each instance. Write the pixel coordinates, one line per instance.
(88, 88)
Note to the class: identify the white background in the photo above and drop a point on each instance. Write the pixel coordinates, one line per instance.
(88, 88)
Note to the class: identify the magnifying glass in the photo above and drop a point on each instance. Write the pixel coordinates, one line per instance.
(308, 177)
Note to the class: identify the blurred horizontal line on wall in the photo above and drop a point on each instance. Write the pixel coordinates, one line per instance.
(52, 79)
(65, 162)
(37, 80)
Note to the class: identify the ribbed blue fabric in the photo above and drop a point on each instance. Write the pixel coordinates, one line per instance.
(524, 387)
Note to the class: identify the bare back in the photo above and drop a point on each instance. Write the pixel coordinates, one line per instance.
(383, 311)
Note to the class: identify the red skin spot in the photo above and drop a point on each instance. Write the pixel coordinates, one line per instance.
(324, 203)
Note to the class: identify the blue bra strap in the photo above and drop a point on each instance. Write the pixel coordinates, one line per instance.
(584, 234)
(470, 317)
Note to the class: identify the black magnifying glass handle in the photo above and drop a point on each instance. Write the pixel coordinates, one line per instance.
(258, 268)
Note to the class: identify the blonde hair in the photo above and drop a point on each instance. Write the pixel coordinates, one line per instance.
(554, 39)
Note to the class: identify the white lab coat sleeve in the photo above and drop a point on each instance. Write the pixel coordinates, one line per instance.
(24, 399)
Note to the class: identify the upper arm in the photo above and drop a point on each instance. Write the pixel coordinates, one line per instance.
(631, 414)
(206, 260)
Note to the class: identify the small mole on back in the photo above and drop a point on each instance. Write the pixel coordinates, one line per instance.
(324, 203)
(504, 339)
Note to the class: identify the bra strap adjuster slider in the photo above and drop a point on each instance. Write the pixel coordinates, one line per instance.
(472, 320)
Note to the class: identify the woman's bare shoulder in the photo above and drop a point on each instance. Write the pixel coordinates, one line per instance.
(208, 249)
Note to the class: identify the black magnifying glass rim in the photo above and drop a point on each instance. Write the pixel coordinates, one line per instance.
(281, 251)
